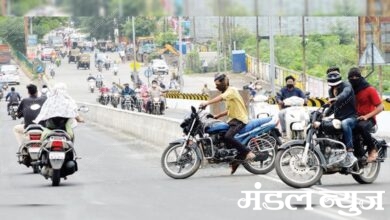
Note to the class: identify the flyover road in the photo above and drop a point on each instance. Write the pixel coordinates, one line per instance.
(120, 177)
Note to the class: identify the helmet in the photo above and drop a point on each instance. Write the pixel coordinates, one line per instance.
(334, 78)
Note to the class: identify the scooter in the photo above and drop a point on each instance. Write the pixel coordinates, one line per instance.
(296, 118)
(259, 107)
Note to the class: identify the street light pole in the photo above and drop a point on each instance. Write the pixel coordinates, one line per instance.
(134, 53)
(271, 53)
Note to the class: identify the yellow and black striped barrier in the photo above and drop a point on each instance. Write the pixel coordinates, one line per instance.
(311, 102)
(190, 96)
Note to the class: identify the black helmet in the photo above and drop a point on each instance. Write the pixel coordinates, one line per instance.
(334, 78)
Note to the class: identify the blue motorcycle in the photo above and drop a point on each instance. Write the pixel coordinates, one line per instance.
(204, 144)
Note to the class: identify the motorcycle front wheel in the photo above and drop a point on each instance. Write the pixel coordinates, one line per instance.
(293, 172)
(183, 167)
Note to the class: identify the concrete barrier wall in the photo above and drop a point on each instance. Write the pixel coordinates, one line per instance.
(158, 130)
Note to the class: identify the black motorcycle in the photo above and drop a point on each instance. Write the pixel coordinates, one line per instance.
(301, 163)
(204, 144)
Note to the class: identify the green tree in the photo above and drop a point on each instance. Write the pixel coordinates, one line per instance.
(169, 37)
(43, 25)
(12, 31)
(144, 26)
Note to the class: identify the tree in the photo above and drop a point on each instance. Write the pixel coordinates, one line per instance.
(169, 37)
(43, 25)
(144, 26)
(12, 31)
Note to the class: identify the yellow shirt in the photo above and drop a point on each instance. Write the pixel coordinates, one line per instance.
(235, 105)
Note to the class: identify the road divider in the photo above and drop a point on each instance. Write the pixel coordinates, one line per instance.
(158, 130)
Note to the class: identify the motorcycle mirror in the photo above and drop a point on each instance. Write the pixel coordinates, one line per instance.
(83, 109)
(193, 109)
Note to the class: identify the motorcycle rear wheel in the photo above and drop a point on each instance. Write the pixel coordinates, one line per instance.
(35, 168)
(370, 173)
(266, 151)
(56, 178)
(302, 175)
(189, 162)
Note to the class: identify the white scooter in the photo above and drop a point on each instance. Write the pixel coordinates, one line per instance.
(91, 85)
(296, 118)
(259, 107)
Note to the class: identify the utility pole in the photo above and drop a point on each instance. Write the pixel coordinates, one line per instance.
(135, 76)
(26, 32)
(303, 54)
(271, 53)
(180, 67)
(257, 70)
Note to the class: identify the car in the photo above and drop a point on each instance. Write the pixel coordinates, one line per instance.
(46, 53)
(9, 74)
(159, 66)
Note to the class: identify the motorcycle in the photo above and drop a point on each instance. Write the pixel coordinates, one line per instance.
(57, 157)
(156, 106)
(58, 62)
(91, 85)
(104, 98)
(127, 103)
(259, 107)
(1, 94)
(115, 69)
(99, 84)
(13, 110)
(301, 163)
(115, 98)
(52, 73)
(107, 65)
(296, 118)
(29, 150)
(204, 144)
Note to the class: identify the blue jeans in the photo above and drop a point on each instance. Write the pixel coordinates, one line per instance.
(348, 124)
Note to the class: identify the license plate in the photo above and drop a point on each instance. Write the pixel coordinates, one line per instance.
(57, 155)
(34, 149)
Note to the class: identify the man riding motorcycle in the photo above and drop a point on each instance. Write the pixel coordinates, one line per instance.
(342, 100)
(13, 97)
(155, 93)
(237, 117)
(29, 108)
(286, 92)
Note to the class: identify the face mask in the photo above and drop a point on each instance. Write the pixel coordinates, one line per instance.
(356, 82)
(290, 86)
(154, 85)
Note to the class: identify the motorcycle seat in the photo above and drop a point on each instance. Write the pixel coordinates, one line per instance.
(254, 124)
(60, 133)
(223, 126)
(33, 127)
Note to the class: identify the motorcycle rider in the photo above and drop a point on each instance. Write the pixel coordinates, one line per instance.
(286, 92)
(342, 100)
(14, 98)
(103, 90)
(29, 108)
(114, 88)
(99, 79)
(45, 91)
(237, 116)
(155, 92)
(59, 111)
(368, 105)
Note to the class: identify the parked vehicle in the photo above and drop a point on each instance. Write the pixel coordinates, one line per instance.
(204, 144)
(301, 163)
